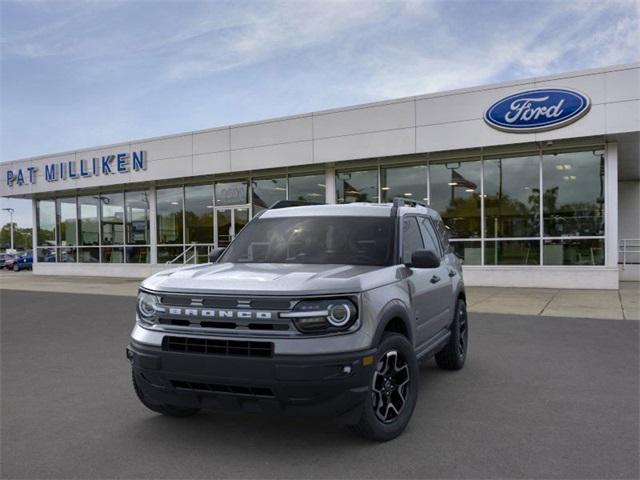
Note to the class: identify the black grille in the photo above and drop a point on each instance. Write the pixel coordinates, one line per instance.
(230, 389)
(208, 346)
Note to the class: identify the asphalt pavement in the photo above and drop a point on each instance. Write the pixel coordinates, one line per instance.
(540, 397)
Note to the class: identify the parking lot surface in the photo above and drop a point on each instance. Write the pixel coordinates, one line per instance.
(540, 397)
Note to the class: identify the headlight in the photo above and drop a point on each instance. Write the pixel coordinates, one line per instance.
(323, 316)
(147, 307)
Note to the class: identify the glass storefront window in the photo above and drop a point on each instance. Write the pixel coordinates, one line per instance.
(198, 213)
(112, 255)
(512, 252)
(573, 252)
(137, 254)
(469, 252)
(112, 218)
(360, 186)
(307, 188)
(166, 254)
(573, 198)
(137, 218)
(169, 207)
(455, 195)
(89, 255)
(408, 182)
(67, 254)
(67, 221)
(265, 192)
(47, 254)
(88, 226)
(46, 217)
(232, 193)
(512, 197)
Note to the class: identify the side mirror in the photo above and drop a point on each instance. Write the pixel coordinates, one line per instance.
(424, 259)
(215, 254)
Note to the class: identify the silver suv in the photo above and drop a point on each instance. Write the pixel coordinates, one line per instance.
(311, 310)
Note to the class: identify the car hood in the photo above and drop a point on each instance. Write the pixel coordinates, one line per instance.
(272, 279)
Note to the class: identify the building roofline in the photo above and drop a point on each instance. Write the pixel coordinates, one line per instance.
(445, 93)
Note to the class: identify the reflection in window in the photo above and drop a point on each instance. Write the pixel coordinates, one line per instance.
(112, 255)
(198, 213)
(166, 254)
(512, 197)
(88, 221)
(307, 188)
(89, 255)
(266, 192)
(359, 186)
(137, 254)
(169, 206)
(573, 252)
(455, 195)
(232, 193)
(512, 252)
(137, 218)
(407, 182)
(46, 217)
(67, 212)
(469, 252)
(112, 217)
(573, 198)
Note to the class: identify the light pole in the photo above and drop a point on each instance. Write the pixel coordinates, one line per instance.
(11, 212)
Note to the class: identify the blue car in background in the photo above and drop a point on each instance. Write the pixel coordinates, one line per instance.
(23, 262)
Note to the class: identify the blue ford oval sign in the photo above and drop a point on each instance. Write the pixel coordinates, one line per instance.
(537, 110)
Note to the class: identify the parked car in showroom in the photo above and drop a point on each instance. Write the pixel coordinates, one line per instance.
(320, 310)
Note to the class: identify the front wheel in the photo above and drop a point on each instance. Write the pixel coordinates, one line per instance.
(393, 391)
(454, 353)
(16, 268)
(169, 410)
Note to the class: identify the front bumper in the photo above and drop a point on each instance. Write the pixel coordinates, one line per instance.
(307, 385)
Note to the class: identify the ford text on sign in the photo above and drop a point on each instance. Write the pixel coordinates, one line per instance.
(537, 110)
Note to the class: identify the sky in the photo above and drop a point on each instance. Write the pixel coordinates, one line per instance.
(86, 73)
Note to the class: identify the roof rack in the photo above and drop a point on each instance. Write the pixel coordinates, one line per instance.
(403, 202)
(292, 203)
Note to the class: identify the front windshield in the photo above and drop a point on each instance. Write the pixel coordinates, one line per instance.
(316, 240)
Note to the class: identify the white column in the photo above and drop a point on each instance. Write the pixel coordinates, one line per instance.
(611, 205)
(34, 230)
(330, 184)
(153, 230)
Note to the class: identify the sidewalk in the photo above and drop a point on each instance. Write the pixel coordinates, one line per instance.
(623, 304)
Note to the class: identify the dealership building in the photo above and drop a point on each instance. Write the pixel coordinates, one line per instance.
(536, 179)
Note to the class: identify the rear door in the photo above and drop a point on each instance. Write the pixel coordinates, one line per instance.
(422, 288)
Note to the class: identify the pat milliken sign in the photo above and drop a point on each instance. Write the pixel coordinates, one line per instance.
(105, 165)
(537, 110)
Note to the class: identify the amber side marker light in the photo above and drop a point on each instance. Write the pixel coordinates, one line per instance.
(368, 360)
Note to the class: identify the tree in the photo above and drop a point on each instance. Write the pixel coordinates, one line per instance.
(21, 237)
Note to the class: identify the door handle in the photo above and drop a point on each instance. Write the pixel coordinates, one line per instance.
(435, 279)
(452, 273)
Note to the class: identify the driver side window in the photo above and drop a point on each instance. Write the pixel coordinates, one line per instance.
(411, 238)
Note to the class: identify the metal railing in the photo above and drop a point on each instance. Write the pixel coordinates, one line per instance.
(627, 249)
(190, 250)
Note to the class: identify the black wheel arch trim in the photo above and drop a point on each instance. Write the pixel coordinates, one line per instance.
(395, 309)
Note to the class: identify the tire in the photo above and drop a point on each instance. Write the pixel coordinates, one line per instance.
(376, 405)
(454, 354)
(169, 410)
(16, 268)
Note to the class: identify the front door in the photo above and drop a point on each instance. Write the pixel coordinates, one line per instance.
(229, 221)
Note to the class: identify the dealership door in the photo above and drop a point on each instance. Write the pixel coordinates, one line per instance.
(229, 221)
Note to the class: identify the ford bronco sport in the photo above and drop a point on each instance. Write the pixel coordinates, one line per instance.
(311, 310)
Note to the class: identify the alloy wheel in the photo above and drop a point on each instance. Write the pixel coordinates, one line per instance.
(462, 330)
(391, 383)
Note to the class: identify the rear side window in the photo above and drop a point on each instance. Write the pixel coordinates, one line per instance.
(411, 238)
(443, 233)
(430, 238)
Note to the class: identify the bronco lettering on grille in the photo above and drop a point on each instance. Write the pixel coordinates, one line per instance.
(216, 313)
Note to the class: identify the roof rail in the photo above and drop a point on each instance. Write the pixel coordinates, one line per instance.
(292, 203)
(403, 202)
